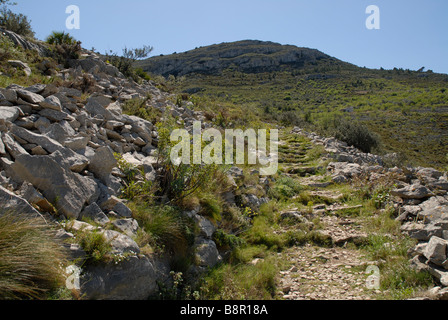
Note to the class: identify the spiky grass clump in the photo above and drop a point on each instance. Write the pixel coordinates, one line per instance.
(30, 258)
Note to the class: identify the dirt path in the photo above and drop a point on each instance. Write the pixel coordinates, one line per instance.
(324, 274)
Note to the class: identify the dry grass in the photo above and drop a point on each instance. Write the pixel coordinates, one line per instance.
(31, 260)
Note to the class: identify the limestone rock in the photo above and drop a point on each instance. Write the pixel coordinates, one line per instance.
(95, 213)
(9, 113)
(16, 205)
(206, 253)
(435, 251)
(29, 96)
(67, 190)
(415, 191)
(21, 65)
(51, 102)
(121, 243)
(127, 226)
(135, 278)
(102, 163)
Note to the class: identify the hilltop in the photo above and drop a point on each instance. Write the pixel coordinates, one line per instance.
(289, 85)
(248, 56)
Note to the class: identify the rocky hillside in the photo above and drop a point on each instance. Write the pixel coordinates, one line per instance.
(59, 148)
(71, 157)
(248, 56)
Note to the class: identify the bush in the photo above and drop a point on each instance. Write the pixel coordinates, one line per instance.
(125, 63)
(95, 245)
(17, 23)
(60, 38)
(166, 227)
(30, 258)
(285, 188)
(65, 47)
(355, 134)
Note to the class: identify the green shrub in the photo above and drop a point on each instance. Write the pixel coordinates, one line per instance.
(242, 281)
(168, 229)
(65, 47)
(17, 23)
(227, 241)
(285, 188)
(125, 63)
(355, 134)
(60, 38)
(95, 244)
(139, 107)
(136, 185)
(211, 207)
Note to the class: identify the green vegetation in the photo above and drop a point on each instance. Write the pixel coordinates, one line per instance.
(15, 22)
(125, 62)
(64, 47)
(381, 111)
(401, 111)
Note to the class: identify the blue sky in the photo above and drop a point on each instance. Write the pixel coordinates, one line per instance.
(413, 33)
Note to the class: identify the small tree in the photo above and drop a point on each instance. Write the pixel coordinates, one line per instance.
(125, 63)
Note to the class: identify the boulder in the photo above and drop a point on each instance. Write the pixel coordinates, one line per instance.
(102, 163)
(51, 102)
(9, 113)
(12, 146)
(76, 162)
(59, 131)
(94, 212)
(34, 197)
(29, 96)
(54, 115)
(415, 191)
(112, 203)
(127, 226)
(22, 65)
(9, 95)
(14, 204)
(206, 227)
(135, 278)
(206, 253)
(120, 243)
(68, 191)
(435, 251)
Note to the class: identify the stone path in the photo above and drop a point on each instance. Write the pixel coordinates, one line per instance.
(321, 273)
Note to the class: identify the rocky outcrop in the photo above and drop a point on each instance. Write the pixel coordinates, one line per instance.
(23, 42)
